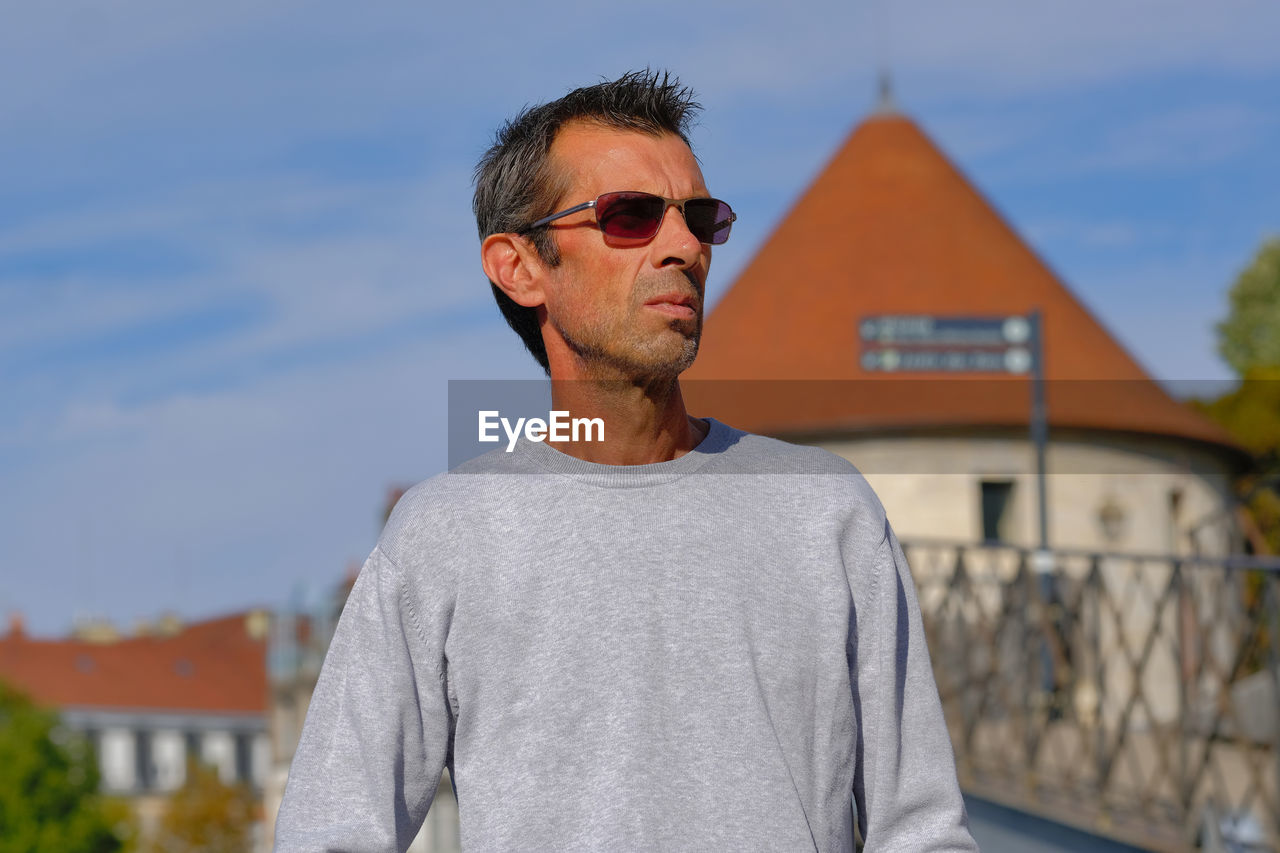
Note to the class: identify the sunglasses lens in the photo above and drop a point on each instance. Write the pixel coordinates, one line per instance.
(632, 216)
(709, 219)
(638, 216)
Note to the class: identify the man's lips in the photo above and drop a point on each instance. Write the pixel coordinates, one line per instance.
(681, 305)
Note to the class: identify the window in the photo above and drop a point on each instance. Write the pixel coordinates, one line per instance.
(1174, 533)
(996, 496)
(192, 740)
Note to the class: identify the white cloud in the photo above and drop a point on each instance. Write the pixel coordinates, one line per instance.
(386, 257)
(989, 50)
(1181, 138)
(1163, 309)
(1007, 46)
(241, 491)
(1093, 234)
(130, 66)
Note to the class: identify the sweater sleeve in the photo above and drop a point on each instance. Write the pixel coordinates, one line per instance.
(905, 788)
(377, 733)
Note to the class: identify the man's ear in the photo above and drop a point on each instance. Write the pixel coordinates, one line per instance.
(513, 265)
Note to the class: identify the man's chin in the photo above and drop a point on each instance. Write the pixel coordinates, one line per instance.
(661, 355)
(679, 361)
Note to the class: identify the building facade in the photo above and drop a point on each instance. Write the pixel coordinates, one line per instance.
(154, 700)
(891, 232)
(867, 324)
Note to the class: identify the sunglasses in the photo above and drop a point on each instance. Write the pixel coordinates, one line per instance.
(638, 216)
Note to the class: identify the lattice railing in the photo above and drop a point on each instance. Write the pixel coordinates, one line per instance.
(1135, 696)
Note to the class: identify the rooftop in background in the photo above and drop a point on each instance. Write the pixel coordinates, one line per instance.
(891, 227)
(214, 666)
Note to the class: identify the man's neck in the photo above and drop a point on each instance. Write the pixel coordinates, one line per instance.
(643, 422)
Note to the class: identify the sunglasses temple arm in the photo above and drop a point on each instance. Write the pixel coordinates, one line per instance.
(553, 217)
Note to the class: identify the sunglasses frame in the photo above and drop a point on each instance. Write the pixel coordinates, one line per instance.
(666, 204)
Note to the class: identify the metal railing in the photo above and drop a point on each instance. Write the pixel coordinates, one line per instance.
(1135, 696)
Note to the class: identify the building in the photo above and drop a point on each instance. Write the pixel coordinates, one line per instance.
(150, 700)
(891, 229)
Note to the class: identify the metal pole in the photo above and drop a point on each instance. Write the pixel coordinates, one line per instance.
(1042, 560)
(1039, 421)
(1184, 701)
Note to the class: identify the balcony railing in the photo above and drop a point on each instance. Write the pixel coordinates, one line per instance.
(1134, 696)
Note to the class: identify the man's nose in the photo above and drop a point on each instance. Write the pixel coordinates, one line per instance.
(674, 244)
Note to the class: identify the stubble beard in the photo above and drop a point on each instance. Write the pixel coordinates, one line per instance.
(627, 353)
(633, 357)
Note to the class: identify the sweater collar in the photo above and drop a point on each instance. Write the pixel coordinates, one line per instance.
(550, 460)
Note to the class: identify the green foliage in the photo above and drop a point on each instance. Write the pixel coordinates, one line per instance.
(49, 786)
(1250, 335)
(1251, 414)
(206, 815)
(1249, 339)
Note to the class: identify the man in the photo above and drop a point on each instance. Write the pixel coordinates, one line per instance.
(683, 637)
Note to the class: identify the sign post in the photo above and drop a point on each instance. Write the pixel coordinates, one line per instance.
(1039, 422)
(1042, 558)
(923, 343)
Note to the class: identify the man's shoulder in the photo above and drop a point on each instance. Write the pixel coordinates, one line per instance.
(767, 455)
(817, 470)
(436, 508)
(772, 455)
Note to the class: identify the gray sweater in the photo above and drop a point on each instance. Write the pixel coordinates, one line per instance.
(720, 652)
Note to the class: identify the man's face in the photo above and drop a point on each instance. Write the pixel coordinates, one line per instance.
(622, 308)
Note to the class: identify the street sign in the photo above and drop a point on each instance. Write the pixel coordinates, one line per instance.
(908, 360)
(924, 343)
(925, 329)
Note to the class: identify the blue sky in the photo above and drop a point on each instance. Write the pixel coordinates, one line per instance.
(237, 263)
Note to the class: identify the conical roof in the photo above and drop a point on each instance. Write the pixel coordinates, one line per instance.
(891, 227)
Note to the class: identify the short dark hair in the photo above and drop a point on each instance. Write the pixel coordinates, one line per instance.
(516, 184)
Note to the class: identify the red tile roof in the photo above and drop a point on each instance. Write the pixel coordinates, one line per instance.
(216, 666)
(891, 227)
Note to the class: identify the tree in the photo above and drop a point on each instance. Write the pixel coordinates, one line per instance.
(49, 786)
(1251, 414)
(1249, 337)
(206, 815)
